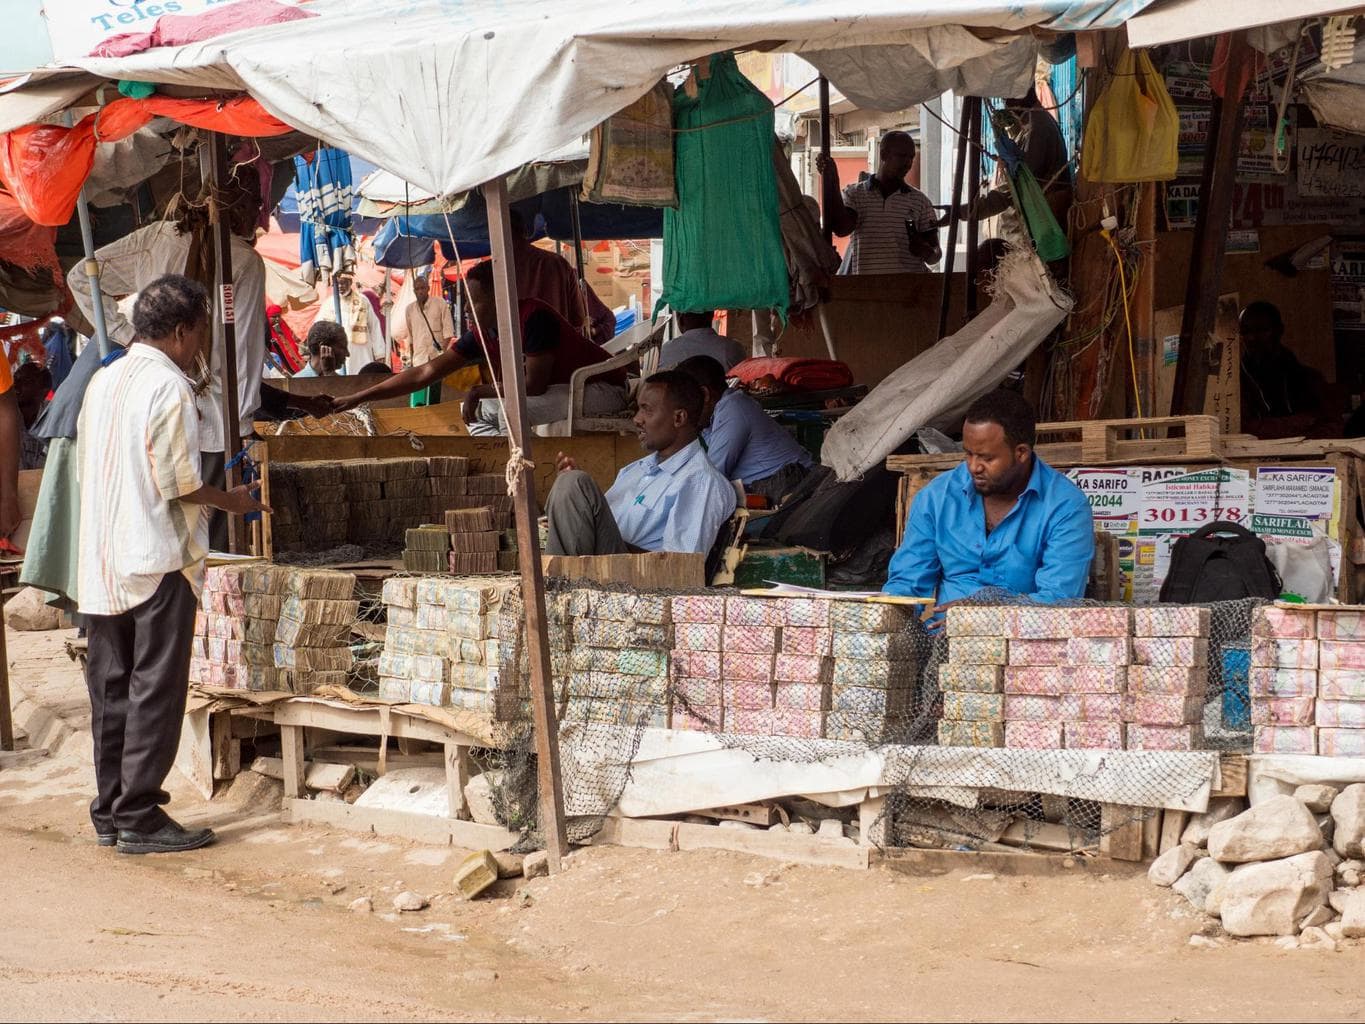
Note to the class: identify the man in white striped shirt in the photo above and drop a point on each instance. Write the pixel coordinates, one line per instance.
(893, 224)
(143, 540)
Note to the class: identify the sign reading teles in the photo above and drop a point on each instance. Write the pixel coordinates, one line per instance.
(78, 26)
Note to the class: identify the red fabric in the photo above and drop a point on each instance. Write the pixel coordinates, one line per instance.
(797, 374)
(24, 243)
(44, 166)
(1222, 84)
(179, 29)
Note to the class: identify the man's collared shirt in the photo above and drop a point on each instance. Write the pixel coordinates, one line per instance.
(880, 243)
(137, 456)
(420, 320)
(675, 505)
(745, 444)
(1042, 549)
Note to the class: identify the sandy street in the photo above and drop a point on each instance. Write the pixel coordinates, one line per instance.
(258, 927)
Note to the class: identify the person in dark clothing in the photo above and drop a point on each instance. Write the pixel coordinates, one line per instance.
(1280, 396)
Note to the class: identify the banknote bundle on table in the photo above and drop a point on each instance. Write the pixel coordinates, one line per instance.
(875, 666)
(619, 661)
(427, 549)
(477, 536)
(971, 681)
(1286, 656)
(1169, 678)
(312, 641)
(513, 695)
(698, 628)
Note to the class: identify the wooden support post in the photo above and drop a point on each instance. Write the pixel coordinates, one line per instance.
(824, 147)
(1151, 832)
(528, 534)
(291, 751)
(1172, 828)
(1144, 307)
(457, 777)
(6, 709)
(872, 823)
(226, 748)
(213, 163)
(1211, 228)
(972, 117)
(959, 169)
(1121, 832)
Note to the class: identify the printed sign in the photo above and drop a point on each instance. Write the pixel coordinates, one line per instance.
(1115, 497)
(78, 26)
(1308, 492)
(1331, 163)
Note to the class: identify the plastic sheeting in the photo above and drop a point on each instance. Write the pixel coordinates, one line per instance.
(486, 87)
(938, 385)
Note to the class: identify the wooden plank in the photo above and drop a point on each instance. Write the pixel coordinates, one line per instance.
(316, 775)
(651, 834)
(457, 777)
(1232, 774)
(367, 758)
(1151, 832)
(366, 720)
(423, 828)
(1172, 828)
(1044, 835)
(1121, 832)
(295, 767)
(754, 814)
(872, 822)
(227, 748)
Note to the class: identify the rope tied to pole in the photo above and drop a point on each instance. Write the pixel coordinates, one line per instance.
(516, 462)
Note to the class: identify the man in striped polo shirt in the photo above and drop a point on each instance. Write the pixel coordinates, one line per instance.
(893, 224)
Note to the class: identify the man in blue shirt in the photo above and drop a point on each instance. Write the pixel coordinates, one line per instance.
(671, 500)
(743, 441)
(1003, 518)
(326, 348)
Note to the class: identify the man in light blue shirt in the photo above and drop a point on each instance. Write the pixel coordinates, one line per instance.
(743, 441)
(671, 500)
(1003, 518)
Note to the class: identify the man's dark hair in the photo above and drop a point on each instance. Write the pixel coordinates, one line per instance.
(167, 303)
(683, 392)
(1268, 310)
(376, 367)
(1011, 411)
(326, 333)
(696, 319)
(898, 136)
(481, 274)
(705, 370)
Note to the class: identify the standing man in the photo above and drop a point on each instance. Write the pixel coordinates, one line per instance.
(1002, 519)
(893, 224)
(364, 333)
(428, 327)
(143, 538)
(743, 441)
(671, 500)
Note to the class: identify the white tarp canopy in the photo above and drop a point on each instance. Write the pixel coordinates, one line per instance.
(451, 95)
(1177, 20)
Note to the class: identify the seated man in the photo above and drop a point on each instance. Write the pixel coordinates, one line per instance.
(699, 338)
(1280, 396)
(743, 441)
(552, 349)
(672, 500)
(325, 347)
(1003, 518)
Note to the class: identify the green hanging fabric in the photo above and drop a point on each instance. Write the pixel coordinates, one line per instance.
(1048, 237)
(723, 242)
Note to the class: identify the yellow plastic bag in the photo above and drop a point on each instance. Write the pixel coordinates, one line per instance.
(1134, 130)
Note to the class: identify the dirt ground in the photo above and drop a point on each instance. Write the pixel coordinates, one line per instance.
(258, 926)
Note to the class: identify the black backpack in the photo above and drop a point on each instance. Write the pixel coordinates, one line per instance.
(1219, 562)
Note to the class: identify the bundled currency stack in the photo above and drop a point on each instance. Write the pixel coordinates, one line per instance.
(446, 482)
(473, 538)
(1287, 658)
(698, 628)
(972, 679)
(748, 655)
(1340, 711)
(513, 703)
(310, 506)
(803, 668)
(1168, 681)
(263, 597)
(441, 642)
(216, 657)
(619, 661)
(312, 641)
(427, 549)
(875, 666)
(1065, 677)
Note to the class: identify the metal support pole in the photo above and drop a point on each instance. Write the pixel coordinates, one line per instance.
(972, 116)
(213, 161)
(824, 141)
(576, 219)
(528, 533)
(91, 264)
(950, 252)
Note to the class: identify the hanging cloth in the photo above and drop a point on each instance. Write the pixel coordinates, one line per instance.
(631, 159)
(723, 243)
(325, 194)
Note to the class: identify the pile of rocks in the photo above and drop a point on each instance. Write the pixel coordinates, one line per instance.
(1290, 866)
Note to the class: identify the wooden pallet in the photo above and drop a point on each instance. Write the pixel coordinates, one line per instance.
(1110, 440)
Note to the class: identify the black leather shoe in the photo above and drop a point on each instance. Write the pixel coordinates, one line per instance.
(170, 838)
(106, 838)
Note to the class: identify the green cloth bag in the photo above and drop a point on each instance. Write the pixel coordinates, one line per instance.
(1048, 237)
(723, 242)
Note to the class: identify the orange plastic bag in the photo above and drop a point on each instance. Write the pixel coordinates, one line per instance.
(1134, 130)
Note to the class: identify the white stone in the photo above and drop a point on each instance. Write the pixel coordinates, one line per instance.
(1287, 942)
(1317, 918)
(509, 864)
(536, 864)
(1348, 811)
(1349, 873)
(801, 828)
(1204, 942)
(830, 828)
(1336, 899)
(1167, 869)
(1317, 798)
(1213, 906)
(1316, 938)
(1220, 809)
(1275, 828)
(361, 905)
(1271, 898)
(1333, 930)
(743, 826)
(1328, 827)
(1353, 915)
(478, 793)
(409, 901)
(29, 610)
(1196, 884)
